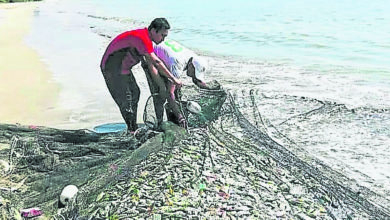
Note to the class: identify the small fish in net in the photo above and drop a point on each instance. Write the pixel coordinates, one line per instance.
(210, 102)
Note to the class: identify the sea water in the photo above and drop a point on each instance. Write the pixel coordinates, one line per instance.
(345, 39)
(350, 39)
(331, 51)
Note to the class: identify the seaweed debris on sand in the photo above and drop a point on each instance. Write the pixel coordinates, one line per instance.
(224, 166)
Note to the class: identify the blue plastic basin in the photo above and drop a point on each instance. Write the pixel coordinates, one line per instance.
(110, 128)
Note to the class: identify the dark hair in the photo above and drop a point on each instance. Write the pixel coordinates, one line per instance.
(158, 24)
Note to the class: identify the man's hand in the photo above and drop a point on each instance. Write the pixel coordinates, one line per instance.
(183, 124)
(178, 83)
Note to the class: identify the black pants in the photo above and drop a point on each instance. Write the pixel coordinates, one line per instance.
(123, 88)
(159, 97)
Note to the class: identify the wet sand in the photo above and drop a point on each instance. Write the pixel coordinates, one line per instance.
(27, 91)
(39, 85)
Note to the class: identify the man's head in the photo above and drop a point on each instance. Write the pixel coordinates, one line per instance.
(158, 29)
(196, 67)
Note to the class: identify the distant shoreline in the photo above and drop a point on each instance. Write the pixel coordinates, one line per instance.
(13, 1)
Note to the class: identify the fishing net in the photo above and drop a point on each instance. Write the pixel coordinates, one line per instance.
(210, 101)
(342, 196)
(109, 169)
(44, 160)
(248, 138)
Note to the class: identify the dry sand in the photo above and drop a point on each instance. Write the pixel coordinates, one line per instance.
(27, 92)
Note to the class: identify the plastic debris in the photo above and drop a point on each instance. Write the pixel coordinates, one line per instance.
(33, 127)
(202, 186)
(32, 212)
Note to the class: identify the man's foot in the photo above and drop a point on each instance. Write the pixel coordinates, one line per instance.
(172, 117)
(126, 132)
(140, 132)
(182, 122)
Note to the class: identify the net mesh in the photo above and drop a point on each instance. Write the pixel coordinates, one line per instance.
(45, 160)
(210, 101)
(342, 196)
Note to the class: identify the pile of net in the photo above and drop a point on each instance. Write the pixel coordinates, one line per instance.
(44, 160)
(41, 161)
(225, 165)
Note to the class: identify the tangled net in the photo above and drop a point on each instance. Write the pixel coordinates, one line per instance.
(344, 196)
(45, 160)
(211, 102)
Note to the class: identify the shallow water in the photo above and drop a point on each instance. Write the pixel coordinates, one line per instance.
(303, 31)
(352, 140)
(337, 73)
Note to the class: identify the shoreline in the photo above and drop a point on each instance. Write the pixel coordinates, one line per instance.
(27, 88)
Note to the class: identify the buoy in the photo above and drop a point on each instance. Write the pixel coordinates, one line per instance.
(194, 107)
(68, 193)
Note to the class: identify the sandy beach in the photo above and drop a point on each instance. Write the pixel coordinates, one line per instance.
(27, 91)
(38, 85)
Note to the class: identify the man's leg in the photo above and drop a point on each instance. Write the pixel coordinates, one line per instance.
(123, 89)
(125, 92)
(129, 104)
(158, 90)
(173, 106)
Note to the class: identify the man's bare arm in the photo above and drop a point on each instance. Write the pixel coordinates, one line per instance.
(200, 84)
(156, 62)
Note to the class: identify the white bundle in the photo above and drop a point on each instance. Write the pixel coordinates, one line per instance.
(68, 193)
(194, 107)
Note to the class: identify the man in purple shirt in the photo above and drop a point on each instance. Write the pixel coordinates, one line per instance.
(127, 50)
